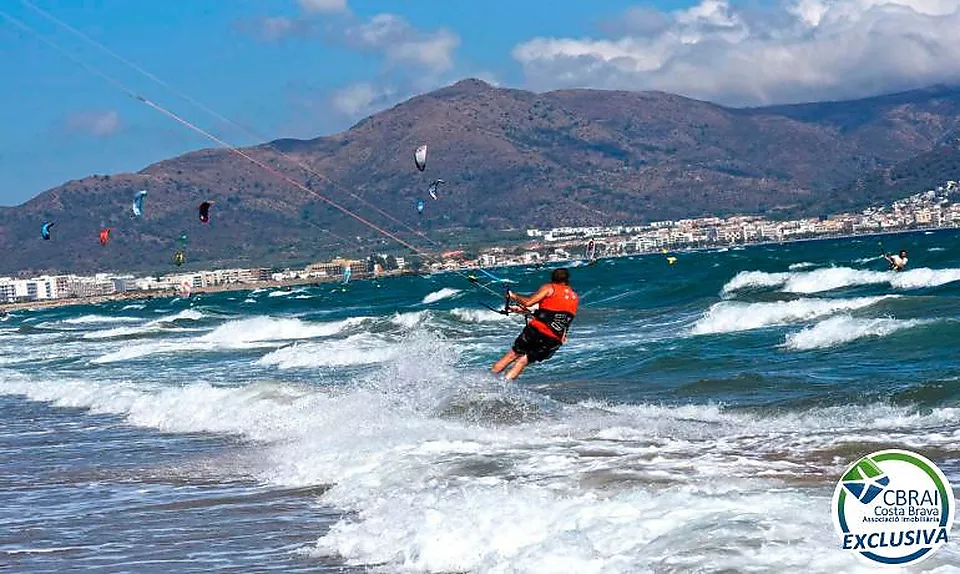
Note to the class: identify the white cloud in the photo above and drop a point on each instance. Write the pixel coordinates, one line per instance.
(95, 123)
(801, 50)
(412, 61)
(365, 98)
(360, 99)
(277, 27)
(401, 43)
(388, 36)
(315, 6)
(415, 62)
(488, 77)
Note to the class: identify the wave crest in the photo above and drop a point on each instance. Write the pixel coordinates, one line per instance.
(832, 278)
(837, 331)
(732, 316)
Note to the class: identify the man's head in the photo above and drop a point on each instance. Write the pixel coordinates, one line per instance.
(903, 253)
(561, 275)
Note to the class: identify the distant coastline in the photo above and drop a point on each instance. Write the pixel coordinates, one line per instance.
(241, 287)
(741, 245)
(165, 293)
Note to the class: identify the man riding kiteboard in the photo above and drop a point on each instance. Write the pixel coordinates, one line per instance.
(897, 262)
(546, 329)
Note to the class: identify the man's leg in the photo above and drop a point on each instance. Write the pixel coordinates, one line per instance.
(505, 360)
(518, 368)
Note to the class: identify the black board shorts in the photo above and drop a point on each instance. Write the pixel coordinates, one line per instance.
(535, 345)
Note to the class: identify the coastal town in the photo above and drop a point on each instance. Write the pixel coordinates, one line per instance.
(931, 209)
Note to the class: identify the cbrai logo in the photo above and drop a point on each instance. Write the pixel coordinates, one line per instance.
(893, 507)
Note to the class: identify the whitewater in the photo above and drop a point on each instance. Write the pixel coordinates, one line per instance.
(697, 420)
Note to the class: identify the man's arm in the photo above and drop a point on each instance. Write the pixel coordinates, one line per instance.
(532, 300)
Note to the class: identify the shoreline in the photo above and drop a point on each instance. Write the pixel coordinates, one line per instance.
(729, 246)
(166, 293)
(232, 287)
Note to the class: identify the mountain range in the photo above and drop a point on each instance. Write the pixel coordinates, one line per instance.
(511, 159)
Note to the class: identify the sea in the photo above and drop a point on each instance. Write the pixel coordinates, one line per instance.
(697, 420)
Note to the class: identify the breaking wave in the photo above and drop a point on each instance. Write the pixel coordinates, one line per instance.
(444, 293)
(832, 278)
(732, 316)
(844, 329)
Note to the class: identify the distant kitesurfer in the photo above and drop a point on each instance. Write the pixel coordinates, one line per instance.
(546, 330)
(897, 262)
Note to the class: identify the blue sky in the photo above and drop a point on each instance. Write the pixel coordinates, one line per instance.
(302, 68)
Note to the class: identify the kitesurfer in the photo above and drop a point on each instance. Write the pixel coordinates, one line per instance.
(897, 262)
(434, 187)
(546, 329)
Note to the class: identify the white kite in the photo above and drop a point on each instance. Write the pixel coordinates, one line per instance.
(420, 157)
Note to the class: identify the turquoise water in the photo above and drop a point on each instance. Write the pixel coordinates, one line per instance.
(697, 420)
